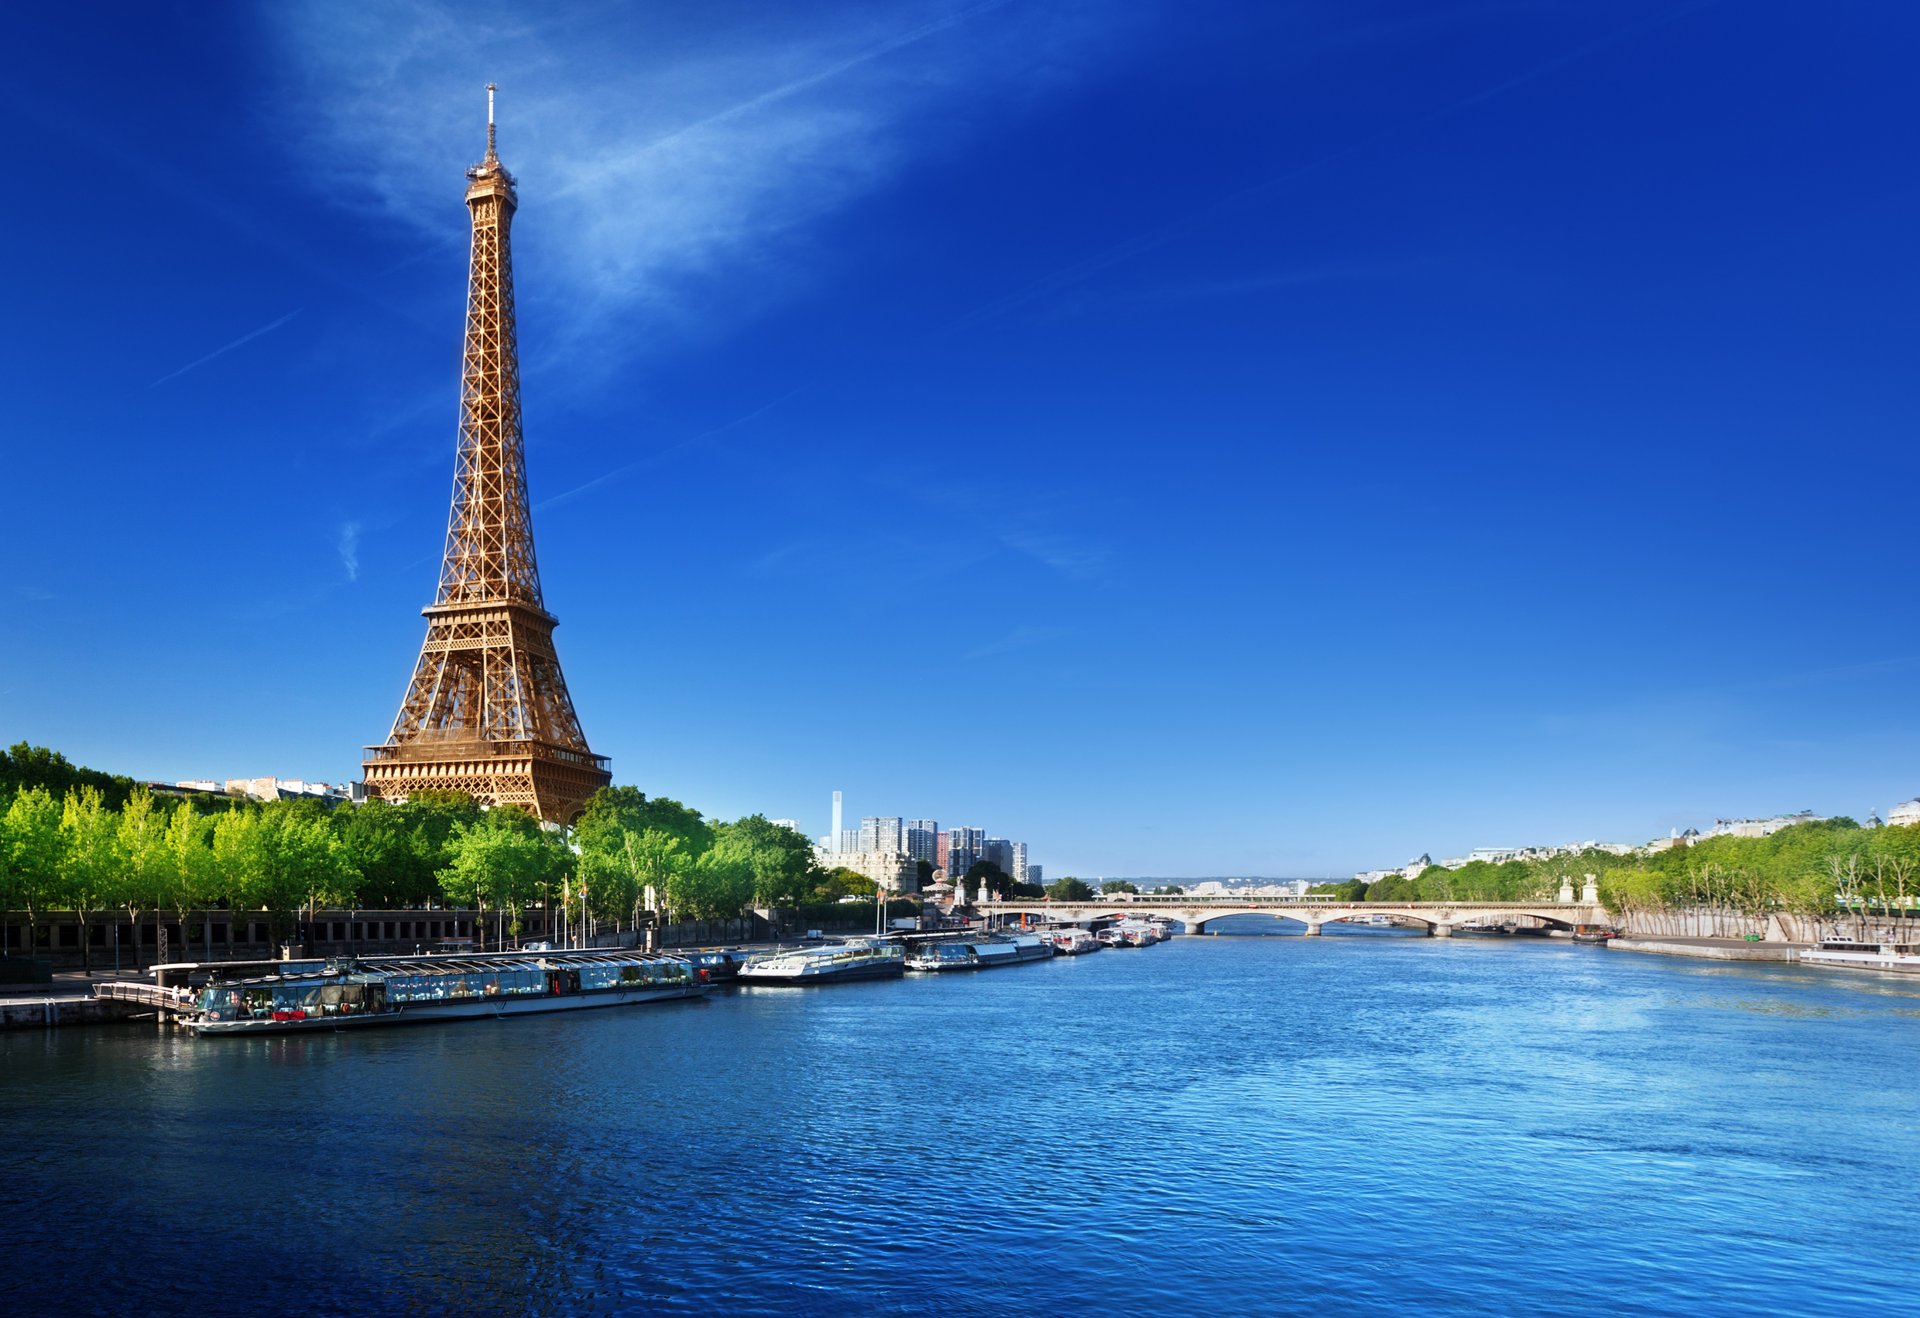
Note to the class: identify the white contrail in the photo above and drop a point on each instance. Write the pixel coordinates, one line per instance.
(798, 85)
(662, 454)
(221, 352)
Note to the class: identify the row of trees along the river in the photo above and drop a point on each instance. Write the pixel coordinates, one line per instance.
(98, 847)
(1829, 873)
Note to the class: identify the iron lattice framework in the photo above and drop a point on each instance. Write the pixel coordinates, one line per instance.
(487, 712)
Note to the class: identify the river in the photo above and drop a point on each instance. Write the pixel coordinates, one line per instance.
(1351, 1124)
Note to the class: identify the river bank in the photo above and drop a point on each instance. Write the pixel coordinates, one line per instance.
(1712, 949)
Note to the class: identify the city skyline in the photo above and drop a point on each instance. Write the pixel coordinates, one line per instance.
(1353, 434)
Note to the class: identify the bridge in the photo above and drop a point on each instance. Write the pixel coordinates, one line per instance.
(1440, 918)
(156, 997)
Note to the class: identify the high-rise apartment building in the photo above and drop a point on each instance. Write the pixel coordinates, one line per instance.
(1033, 874)
(883, 833)
(1000, 852)
(847, 839)
(964, 847)
(940, 844)
(921, 835)
(1019, 867)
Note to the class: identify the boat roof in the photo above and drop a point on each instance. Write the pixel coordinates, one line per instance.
(383, 968)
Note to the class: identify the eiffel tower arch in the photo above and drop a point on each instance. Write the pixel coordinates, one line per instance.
(487, 711)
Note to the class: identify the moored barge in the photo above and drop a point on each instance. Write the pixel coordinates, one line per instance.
(865, 959)
(340, 995)
(981, 954)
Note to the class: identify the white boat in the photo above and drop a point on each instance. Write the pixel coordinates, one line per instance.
(1858, 955)
(982, 954)
(1073, 942)
(1138, 933)
(860, 959)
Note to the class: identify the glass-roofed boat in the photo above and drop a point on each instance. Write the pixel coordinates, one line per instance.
(417, 990)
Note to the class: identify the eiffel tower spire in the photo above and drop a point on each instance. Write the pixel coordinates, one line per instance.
(488, 712)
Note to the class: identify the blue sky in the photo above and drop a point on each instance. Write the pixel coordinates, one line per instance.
(1195, 438)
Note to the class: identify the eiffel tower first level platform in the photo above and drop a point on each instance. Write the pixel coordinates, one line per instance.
(487, 712)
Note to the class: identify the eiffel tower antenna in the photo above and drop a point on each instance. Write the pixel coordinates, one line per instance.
(487, 711)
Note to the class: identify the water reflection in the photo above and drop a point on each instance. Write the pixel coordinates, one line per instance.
(1208, 1125)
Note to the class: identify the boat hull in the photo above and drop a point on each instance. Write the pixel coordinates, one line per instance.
(837, 975)
(428, 1013)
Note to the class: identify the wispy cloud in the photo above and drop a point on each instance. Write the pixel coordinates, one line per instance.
(348, 543)
(224, 349)
(1019, 638)
(658, 146)
(1266, 281)
(1066, 554)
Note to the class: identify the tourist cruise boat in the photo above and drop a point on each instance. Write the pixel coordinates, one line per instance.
(1860, 955)
(342, 995)
(866, 959)
(1072, 942)
(985, 954)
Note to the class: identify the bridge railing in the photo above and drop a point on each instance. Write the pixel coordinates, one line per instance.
(1316, 901)
(146, 995)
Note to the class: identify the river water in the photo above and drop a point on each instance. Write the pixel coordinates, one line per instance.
(1342, 1125)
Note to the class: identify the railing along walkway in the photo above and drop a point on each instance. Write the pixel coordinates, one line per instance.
(145, 995)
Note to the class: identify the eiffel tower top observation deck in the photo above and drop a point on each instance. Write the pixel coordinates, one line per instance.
(487, 711)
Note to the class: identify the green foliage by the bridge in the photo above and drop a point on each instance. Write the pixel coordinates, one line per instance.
(1813, 870)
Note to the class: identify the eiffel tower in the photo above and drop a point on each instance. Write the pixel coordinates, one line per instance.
(487, 712)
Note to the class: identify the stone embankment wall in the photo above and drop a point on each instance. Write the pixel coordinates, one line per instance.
(1777, 927)
(37, 1013)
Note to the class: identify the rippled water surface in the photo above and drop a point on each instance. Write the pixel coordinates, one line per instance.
(1216, 1125)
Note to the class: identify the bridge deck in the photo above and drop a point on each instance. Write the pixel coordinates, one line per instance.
(145, 995)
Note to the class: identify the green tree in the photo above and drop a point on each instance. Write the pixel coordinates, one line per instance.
(500, 861)
(1108, 887)
(653, 857)
(717, 885)
(842, 882)
(92, 863)
(149, 860)
(30, 845)
(1070, 890)
(1393, 888)
(189, 883)
(991, 876)
(23, 766)
(395, 849)
(780, 860)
